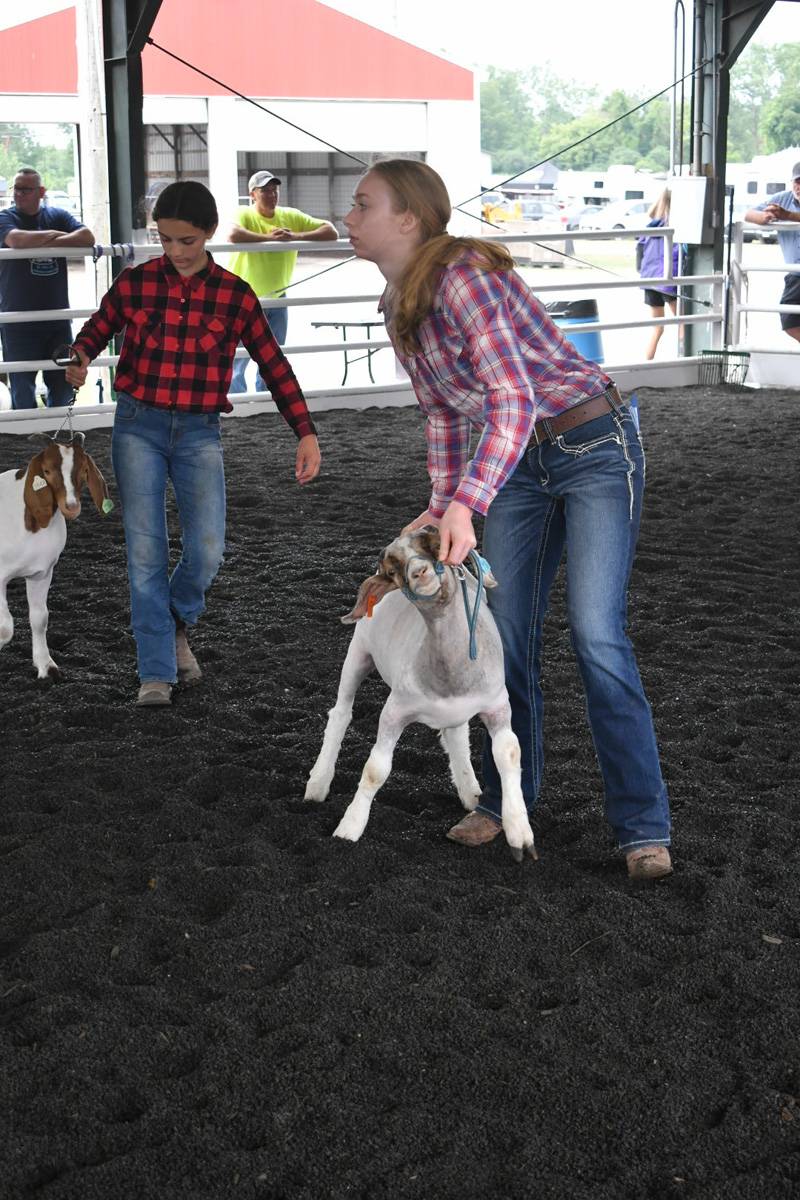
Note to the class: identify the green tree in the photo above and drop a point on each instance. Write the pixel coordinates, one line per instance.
(640, 138)
(19, 148)
(533, 116)
(754, 80)
(781, 122)
(517, 110)
(507, 121)
(780, 116)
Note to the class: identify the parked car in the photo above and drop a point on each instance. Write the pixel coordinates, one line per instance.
(519, 214)
(540, 216)
(621, 214)
(59, 199)
(575, 215)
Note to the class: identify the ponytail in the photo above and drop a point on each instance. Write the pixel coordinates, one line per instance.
(416, 288)
(418, 189)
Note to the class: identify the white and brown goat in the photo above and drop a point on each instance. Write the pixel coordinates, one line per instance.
(35, 503)
(418, 639)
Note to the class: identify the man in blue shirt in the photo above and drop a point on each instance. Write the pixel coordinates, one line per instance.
(36, 284)
(785, 206)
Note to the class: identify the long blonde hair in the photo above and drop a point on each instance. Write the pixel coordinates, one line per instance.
(416, 188)
(660, 210)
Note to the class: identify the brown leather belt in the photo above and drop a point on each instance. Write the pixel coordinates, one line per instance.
(548, 429)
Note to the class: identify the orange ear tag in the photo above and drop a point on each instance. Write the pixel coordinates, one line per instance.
(371, 602)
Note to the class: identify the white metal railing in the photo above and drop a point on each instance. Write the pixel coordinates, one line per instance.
(739, 276)
(136, 253)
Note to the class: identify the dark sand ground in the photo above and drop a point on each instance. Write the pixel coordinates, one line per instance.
(202, 994)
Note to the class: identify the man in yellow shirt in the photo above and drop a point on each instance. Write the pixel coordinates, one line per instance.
(270, 274)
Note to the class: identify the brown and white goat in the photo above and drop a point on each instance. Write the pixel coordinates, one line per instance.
(35, 503)
(418, 638)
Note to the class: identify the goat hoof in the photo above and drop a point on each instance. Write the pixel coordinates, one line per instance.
(519, 852)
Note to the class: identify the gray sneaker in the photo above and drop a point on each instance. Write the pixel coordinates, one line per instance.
(154, 695)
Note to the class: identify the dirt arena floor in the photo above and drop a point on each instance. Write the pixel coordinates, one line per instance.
(204, 995)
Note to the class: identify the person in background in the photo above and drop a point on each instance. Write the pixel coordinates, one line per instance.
(785, 206)
(183, 318)
(650, 261)
(270, 274)
(36, 285)
(558, 464)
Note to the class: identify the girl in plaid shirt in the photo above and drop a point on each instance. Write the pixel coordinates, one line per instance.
(183, 318)
(558, 466)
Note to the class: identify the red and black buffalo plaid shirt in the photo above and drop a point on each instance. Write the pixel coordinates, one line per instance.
(181, 333)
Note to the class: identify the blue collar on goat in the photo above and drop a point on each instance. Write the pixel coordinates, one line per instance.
(408, 591)
(481, 568)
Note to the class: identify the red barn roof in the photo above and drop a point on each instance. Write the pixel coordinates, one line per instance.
(299, 50)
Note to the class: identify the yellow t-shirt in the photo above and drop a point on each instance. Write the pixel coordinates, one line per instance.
(269, 274)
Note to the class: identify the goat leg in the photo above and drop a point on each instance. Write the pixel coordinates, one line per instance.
(375, 773)
(6, 619)
(37, 587)
(357, 664)
(508, 758)
(456, 743)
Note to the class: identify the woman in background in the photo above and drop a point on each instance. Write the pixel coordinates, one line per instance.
(650, 261)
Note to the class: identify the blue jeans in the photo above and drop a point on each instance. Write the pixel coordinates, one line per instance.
(582, 494)
(150, 446)
(29, 342)
(278, 321)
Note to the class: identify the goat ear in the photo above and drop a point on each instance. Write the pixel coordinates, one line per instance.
(98, 488)
(40, 503)
(372, 589)
(430, 540)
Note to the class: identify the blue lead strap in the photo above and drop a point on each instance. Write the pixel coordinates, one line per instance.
(481, 568)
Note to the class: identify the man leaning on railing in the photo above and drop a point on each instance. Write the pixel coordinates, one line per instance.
(785, 206)
(35, 285)
(270, 274)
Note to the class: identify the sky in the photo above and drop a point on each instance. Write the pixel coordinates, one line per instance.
(598, 43)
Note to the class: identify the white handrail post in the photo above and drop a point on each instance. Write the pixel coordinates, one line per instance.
(735, 284)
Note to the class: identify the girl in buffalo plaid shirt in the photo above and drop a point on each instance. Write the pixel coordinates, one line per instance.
(558, 465)
(183, 318)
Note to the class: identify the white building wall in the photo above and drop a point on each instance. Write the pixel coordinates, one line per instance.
(454, 150)
(447, 131)
(29, 110)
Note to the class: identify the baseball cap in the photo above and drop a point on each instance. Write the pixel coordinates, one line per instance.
(261, 179)
(796, 171)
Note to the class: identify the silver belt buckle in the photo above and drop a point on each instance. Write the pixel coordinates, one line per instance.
(548, 436)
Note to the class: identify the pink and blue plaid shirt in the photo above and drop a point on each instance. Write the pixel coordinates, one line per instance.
(492, 360)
